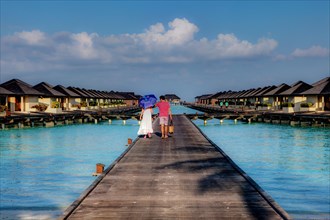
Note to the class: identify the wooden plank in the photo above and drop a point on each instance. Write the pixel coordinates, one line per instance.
(183, 177)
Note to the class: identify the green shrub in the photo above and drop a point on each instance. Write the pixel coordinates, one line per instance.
(55, 104)
(92, 103)
(287, 104)
(264, 105)
(117, 102)
(306, 104)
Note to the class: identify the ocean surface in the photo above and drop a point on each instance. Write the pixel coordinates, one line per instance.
(43, 170)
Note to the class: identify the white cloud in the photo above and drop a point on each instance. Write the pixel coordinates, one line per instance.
(181, 31)
(228, 45)
(83, 45)
(157, 44)
(35, 37)
(314, 51)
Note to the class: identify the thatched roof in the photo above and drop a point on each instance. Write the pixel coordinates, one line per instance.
(257, 91)
(213, 96)
(116, 95)
(233, 94)
(5, 92)
(66, 91)
(19, 87)
(171, 96)
(227, 94)
(78, 91)
(246, 93)
(297, 88)
(90, 93)
(99, 94)
(319, 89)
(48, 90)
(111, 95)
(326, 79)
(128, 95)
(205, 96)
(264, 91)
(281, 88)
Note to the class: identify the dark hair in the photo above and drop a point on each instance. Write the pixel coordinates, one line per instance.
(162, 97)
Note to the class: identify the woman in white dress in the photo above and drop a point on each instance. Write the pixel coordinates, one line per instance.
(146, 123)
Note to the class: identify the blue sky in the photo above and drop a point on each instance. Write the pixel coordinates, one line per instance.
(184, 47)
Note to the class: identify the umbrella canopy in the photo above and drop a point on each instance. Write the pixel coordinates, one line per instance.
(147, 101)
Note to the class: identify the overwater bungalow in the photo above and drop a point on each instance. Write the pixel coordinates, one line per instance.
(83, 100)
(274, 98)
(52, 98)
(19, 96)
(4, 100)
(173, 99)
(116, 99)
(25, 98)
(129, 98)
(71, 99)
(206, 99)
(299, 97)
(258, 96)
(251, 99)
(318, 96)
(241, 98)
(99, 99)
(292, 98)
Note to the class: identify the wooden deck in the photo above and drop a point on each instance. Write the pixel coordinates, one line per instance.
(183, 177)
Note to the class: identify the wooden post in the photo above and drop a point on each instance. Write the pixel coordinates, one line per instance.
(99, 168)
(129, 141)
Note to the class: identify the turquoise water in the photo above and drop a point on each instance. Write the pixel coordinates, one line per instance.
(43, 170)
(292, 164)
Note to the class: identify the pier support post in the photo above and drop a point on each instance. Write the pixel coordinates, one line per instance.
(129, 141)
(3, 126)
(99, 168)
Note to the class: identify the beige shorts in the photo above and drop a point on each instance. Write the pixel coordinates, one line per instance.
(163, 120)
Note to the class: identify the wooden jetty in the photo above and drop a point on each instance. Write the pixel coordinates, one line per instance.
(185, 176)
(316, 119)
(42, 119)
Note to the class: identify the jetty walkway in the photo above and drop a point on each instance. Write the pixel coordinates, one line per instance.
(315, 119)
(185, 176)
(34, 119)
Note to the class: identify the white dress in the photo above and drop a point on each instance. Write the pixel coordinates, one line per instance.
(146, 123)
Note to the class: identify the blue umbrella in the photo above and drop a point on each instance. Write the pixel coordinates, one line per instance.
(147, 101)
